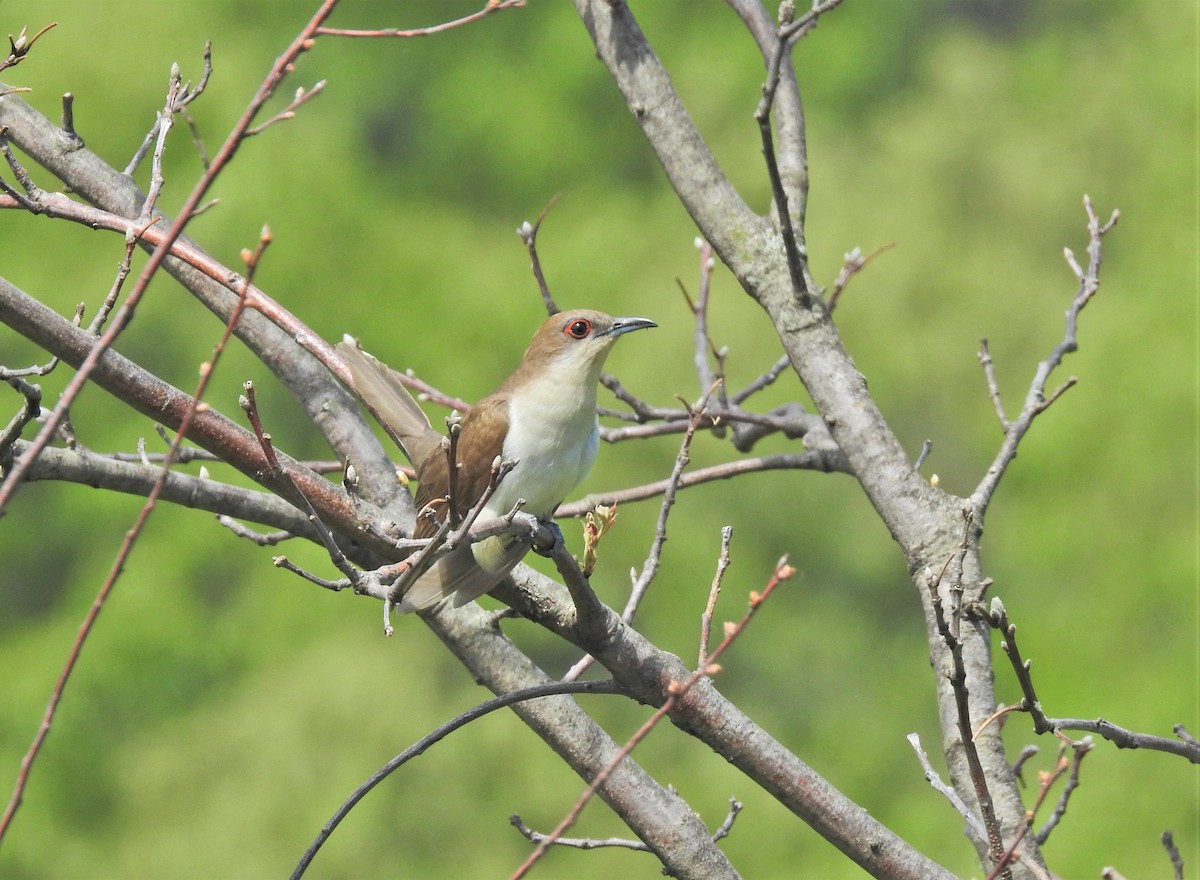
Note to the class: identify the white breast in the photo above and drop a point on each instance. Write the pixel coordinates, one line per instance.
(554, 435)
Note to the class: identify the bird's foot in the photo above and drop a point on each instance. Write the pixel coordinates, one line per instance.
(540, 547)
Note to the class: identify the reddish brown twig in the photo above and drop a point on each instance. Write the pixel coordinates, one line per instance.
(127, 544)
(676, 692)
(283, 65)
(492, 6)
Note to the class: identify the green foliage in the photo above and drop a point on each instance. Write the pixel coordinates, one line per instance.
(223, 709)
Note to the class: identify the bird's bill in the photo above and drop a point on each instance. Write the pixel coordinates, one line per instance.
(621, 326)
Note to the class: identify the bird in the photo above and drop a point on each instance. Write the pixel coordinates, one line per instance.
(542, 417)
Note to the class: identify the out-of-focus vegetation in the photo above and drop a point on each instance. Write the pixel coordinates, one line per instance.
(223, 708)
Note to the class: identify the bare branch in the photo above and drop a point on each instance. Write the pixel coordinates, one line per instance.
(299, 99)
(650, 567)
(767, 378)
(1168, 842)
(997, 618)
(818, 460)
(854, 263)
(735, 807)
(1036, 401)
(714, 591)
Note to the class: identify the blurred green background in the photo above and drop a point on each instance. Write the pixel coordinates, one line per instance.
(223, 709)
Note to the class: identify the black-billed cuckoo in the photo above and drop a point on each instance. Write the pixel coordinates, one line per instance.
(543, 417)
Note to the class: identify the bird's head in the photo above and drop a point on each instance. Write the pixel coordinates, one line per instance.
(574, 344)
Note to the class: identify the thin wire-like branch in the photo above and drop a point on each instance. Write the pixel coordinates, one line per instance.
(788, 34)
(790, 419)
(419, 747)
(702, 344)
(758, 384)
(714, 591)
(577, 842)
(185, 96)
(45, 369)
(268, 539)
(682, 459)
(301, 97)
(854, 263)
(818, 460)
(1080, 751)
(1045, 783)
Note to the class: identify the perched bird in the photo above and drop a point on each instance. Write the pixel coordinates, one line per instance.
(543, 417)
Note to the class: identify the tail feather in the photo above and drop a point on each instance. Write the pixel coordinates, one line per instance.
(457, 574)
(389, 401)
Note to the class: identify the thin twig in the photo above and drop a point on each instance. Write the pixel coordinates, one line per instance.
(997, 618)
(787, 36)
(974, 827)
(183, 97)
(854, 263)
(528, 233)
(702, 344)
(299, 99)
(20, 46)
(1080, 751)
(1168, 842)
(735, 807)
(1046, 782)
(714, 591)
(492, 6)
(818, 460)
(767, 378)
(958, 684)
(1036, 400)
(262, 539)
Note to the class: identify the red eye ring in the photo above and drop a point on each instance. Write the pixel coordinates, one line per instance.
(579, 329)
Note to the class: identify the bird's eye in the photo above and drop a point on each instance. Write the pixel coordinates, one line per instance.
(578, 329)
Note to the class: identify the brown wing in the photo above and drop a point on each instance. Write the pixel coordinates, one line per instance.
(480, 440)
(458, 574)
